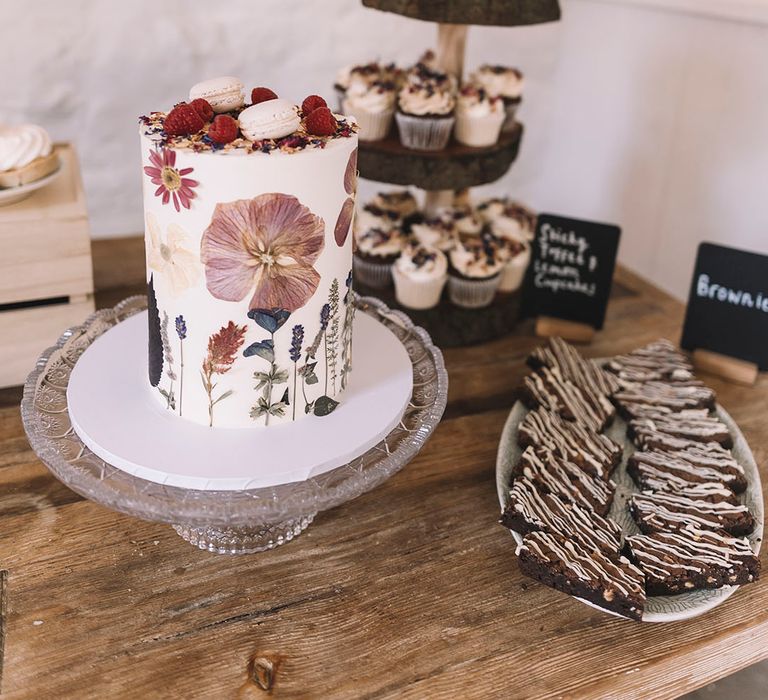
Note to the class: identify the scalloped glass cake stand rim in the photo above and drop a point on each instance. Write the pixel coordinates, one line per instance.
(226, 522)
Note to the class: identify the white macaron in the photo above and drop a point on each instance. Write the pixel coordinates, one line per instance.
(272, 119)
(223, 94)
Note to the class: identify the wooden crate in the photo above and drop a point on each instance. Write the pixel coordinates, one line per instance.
(46, 274)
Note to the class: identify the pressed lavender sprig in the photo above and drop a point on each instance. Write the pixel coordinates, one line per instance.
(181, 331)
(168, 360)
(295, 353)
(325, 315)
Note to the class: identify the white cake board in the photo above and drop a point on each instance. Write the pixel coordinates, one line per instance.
(115, 415)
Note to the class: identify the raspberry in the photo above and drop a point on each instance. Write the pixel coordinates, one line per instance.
(183, 120)
(311, 103)
(262, 94)
(320, 122)
(224, 129)
(203, 108)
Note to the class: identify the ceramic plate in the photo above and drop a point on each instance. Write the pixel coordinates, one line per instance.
(658, 608)
(11, 195)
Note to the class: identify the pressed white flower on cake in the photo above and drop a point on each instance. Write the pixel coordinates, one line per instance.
(169, 256)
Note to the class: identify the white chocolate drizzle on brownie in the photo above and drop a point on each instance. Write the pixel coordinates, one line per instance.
(546, 430)
(549, 389)
(668, 554)
(695, 425)
(676, 397)
(677, 469)
(585, 373)
(546, 512)
(670, 511)
(566, 480)
(587, 565)
(659, 360)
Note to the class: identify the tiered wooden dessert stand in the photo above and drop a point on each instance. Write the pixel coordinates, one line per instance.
(456, 168)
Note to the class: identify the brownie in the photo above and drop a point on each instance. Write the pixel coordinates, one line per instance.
(653, 432)
(610, 582)
(675, 397)
(585, 374)
(566, 480)
(657, 361)
(665, 511)
(530, 510)
(593, 452)
(548, 389)
(695, 463)
(709, 491)
(675, 562)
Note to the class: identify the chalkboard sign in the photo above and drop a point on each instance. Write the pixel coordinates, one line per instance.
(571, 269)
(728, 304)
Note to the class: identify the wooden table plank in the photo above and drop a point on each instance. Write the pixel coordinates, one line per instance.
(411, 590)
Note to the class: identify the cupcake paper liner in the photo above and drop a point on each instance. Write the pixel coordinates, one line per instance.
(472, 294)
(424, 133)
(372, 274)
(513, 274)
(374, 126)
(417, 294)
(509, 120)
(479, 131)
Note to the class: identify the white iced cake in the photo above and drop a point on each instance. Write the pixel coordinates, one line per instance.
(248, 209)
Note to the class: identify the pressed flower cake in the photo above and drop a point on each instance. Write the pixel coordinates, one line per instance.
(249, 259)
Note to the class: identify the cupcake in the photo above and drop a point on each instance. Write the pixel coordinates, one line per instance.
(465, 220)
(373, 106)
(419, 275)
(491, 208)
(436, 232)
(26, 155)
(401, 202)
(377, 249)
(366, 74)
(516, 256)
(503, 82)
(479, 117)
(475, 273)
(425, 110)
(514, 221)
(373, 216)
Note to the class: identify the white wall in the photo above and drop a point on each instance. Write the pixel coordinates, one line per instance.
(655, 120)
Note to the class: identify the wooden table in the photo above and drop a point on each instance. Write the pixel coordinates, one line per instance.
(409, 591)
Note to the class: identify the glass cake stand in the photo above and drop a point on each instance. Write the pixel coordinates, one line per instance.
(226, 522)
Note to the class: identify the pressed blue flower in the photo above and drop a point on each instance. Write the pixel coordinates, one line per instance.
(296, 342)
(264, 349)
(325, 315)
(181, 327)
(269, 319)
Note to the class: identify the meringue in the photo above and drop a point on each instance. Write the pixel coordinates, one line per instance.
(272, 119)
(20, 145)
(224, 94)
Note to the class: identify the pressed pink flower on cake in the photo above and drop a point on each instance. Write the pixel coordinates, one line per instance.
(344, 221)
(170, 181)
(266, 246)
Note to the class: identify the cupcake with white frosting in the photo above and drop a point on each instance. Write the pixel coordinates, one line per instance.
(372, 105)
(400, 202)
(419, 275)
(436, 232)
(377, 250)
(504, 82)
(475, 274)
(516, 256)
(374, 216)
(425, 109)
(479, 116)
(515, 221)
(466, 221)
(491, 208)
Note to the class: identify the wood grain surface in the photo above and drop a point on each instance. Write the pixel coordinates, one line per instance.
(453, 168)
(409, 591)
(509, 13)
